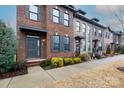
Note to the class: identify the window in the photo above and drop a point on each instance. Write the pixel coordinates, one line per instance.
(55, 16)
(56, 43)
(66, 43)
(66, 19)
(95, 31)
(33, 12)
(84, 29)
(100, 33)
(88, 32)
(84, 44)
(77, 26)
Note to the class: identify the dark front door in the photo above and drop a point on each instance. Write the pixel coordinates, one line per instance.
(32, 46)
(77, 47)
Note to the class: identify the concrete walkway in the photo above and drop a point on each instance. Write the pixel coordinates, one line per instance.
(36, 75)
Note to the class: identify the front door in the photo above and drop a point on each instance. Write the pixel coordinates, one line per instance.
(32, 46)
(77, 47)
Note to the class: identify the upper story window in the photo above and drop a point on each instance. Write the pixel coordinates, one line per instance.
(88, 30)
(33, 12)
(84, 28)
(100, 33)
(66, 43)
(66, 19)
(77, 26)
(95, 31)
(55, 43)
(55, 15)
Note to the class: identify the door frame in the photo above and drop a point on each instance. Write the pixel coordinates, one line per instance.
(33, 36)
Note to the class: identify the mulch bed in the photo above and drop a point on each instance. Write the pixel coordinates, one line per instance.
(121, 69)
(14, 73)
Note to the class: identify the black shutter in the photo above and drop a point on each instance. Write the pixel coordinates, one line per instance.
(61, 17)
(61, 43)
(71, 45)
(51, 43)
(70, 20)
(51, 14)
(27, 11)
(39, 13)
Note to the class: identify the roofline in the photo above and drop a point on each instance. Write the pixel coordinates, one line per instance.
(68, 7)
(78, 15)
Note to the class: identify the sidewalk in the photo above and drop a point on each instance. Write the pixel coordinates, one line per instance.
(37, 75)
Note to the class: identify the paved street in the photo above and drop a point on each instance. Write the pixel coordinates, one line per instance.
(36, 75)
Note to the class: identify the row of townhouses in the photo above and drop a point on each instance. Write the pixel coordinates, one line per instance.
(45, 31)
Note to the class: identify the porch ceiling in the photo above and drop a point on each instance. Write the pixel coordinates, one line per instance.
(29, 28)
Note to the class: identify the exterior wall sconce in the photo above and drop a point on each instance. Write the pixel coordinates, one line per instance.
(66, 35)
(43, 40)
(56, 33)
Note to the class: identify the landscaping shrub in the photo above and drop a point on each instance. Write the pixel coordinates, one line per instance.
(12, 67)
(98, 56)
(85, 57)
(108, 51)
(57, 62)
(76, 60)
(7, 47)
(68, 61)
(121, 48)
(45, 63)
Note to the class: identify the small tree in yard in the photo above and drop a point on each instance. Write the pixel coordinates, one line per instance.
(108, 51)
(7, 47)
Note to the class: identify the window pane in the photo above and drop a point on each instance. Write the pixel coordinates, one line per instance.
(77, 26)
(84, 28)
(66, 16)
(33, 8)
(56, 39)
(33, 16)
(55, 19)
(66, 43)
(55, 12)
(56, 43)
(66, 22)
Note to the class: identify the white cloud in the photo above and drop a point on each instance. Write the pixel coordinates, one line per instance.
(113, 13)
(107, 9)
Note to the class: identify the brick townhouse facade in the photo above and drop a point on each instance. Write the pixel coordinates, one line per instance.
(89, 34)
(44, 31)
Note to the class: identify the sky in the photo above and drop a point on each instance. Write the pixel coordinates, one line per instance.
(106, 14)
(109, 15)
(8, 15)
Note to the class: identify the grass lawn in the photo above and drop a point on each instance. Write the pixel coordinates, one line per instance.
(103, 76)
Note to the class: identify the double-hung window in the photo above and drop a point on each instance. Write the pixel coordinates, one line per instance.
(55, 15)
(100, 33)
(84, 29)
(95, 31)
(66, 43)
(66, 19)
(78, 26)
(88, 32)
(56, 43)
(33, 12)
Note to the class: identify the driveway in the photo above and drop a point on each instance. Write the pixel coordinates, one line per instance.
(36, 75)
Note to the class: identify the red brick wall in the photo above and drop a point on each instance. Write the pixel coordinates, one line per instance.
(62, 31)
(45, 23)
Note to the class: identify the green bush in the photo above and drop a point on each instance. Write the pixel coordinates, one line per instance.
(108, 51)
(68, 61)
(76, 60)
(85, 57)
(121, 48)
(7, 47)
(57, 62)
(45, 63)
